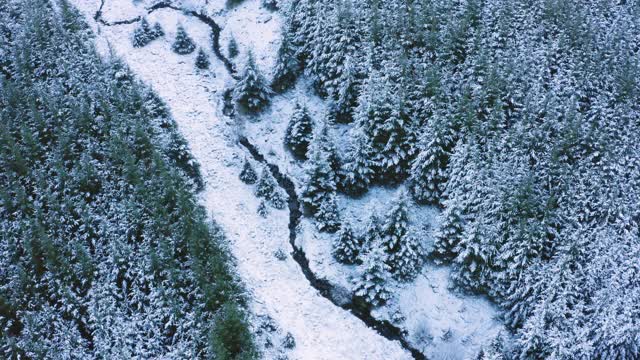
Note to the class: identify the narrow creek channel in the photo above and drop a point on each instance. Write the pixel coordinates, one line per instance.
(323, 286)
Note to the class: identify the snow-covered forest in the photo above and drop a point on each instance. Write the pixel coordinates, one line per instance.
(320, 179)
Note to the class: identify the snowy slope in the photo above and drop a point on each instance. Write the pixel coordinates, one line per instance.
(278, 288)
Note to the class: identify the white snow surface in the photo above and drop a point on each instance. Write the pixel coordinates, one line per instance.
(277, 288)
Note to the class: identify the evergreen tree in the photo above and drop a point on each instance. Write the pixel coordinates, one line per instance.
(252, 91)
(319, 178)
(278, 200)
(270, 4)
(299, 132)
(404, 253)
(327, 217)
(449, 234)
(428, 170)
(248, 175)
(372, 231)
(372, 284)
(266, 186)
(183, 44)
(202, 60)
(232, 48)
(287, 66)
(357, 172)
(142, 35)
(157, 31)
(263, 210)
(346, 246)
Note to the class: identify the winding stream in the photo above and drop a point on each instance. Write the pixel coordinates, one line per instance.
(323, 286)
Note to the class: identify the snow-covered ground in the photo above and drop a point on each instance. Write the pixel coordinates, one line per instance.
(278, 289)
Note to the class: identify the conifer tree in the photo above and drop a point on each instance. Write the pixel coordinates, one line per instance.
(404, 253)
(287, 66)
(449, 234)
(270, 4)
(372, 284)
(346, 246)
(142, 35)
(372, 231)
(157, 31)
(428, 169)
(183, 44)
(248, 175)
(278, 200)
(252, 91)
(319, 178)
(357, 172)
(232, 47)
(327, 217)
(299, 132)
(202, 60)
(263, 209)
(266, 186)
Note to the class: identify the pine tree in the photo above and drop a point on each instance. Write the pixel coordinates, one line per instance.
(232, 48)
(263, 209)
(202, 60)
(357, 172)
(183, 44)
(287, 66)
(252, 91)
(278, 200)
(157, 31)
(404, 253)
(428, 169)
(372, 231)
(248, 175)
(319, 178)
(449, 234)
(407, 261)
(327, 217)
(266, 186)
(142, 35)
(372, 284)
(270, 4)
(299, 132)
(346, 246)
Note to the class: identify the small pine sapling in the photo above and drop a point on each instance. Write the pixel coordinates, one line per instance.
(248, 175)
(278, 200)
(372, 284)
(266, 185)
(183, 44)
(252, 91)
(346, 246)
(263, 209)
(202, 60)
(142, 34)
(232, 48)
(157, 31)
(299, 132)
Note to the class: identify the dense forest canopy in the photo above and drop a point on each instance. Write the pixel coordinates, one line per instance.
(521, 120)
(104, 252)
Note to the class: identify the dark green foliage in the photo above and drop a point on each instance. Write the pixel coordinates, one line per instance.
(252, 91)
(183, 44)
(287, 66)
(270, 4)
(230, 338)
(327, 215)
(102, 239)
(248, 175)
(299, 132)
(202, 60)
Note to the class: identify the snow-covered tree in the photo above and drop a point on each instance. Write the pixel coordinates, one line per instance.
(263, 209)
(252, 91)
(346, 246)
(270, 4)
(266, 186)
(287, 66)
(299, 132)
(449, 234)
(327, 217)
(319, 177)
(142, 35)
(202, 60)
(248, 175)
(406, 263)
(372, 284)
(183, 44)
(357, 172)
(232, 47)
